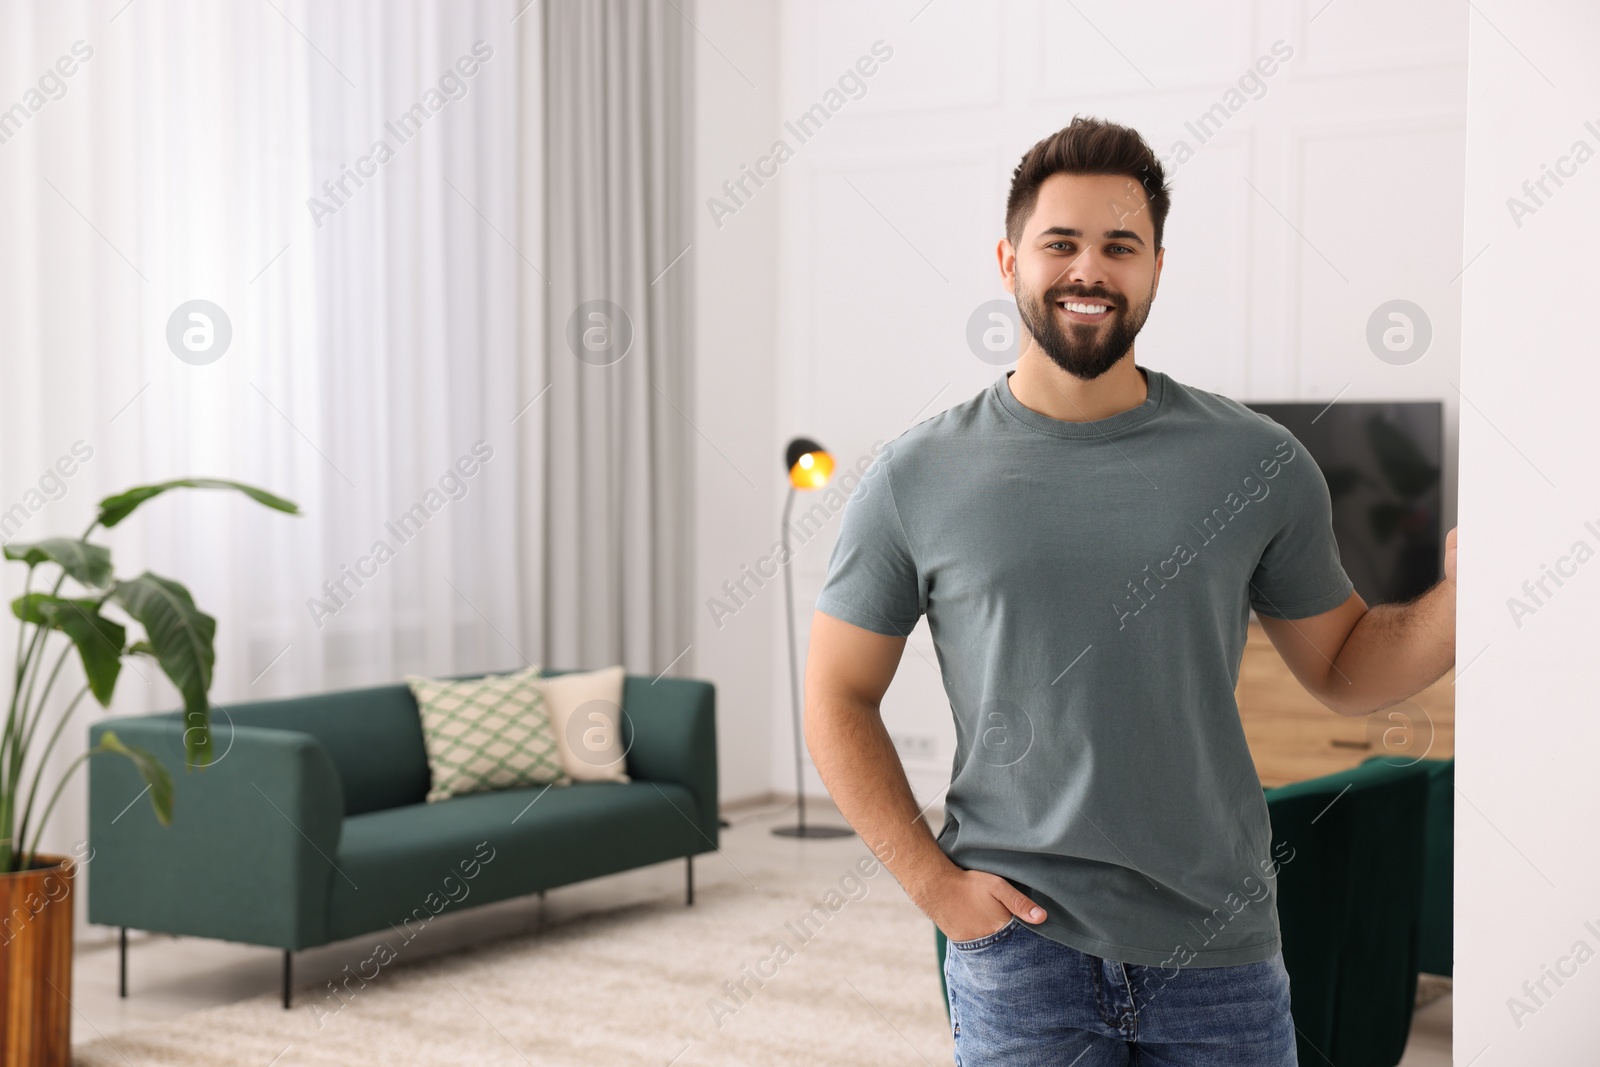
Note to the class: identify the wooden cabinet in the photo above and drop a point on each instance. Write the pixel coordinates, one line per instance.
(1292, 737)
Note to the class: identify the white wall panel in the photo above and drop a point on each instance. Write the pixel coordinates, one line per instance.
(1346, 38)
(1100, 47)
(1527, 881)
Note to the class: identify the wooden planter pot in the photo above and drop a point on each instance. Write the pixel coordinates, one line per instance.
(36, 963)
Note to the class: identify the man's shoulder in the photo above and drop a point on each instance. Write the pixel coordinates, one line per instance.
(932, 439)
(1232, 432)
(1223, 414)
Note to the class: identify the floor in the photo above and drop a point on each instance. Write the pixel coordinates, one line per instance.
(168, 976)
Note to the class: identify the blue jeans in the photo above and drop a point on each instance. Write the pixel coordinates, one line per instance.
(1020, 999)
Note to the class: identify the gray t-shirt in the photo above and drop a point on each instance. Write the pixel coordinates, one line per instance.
(1088, 588)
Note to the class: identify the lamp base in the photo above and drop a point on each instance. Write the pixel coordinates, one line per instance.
(807, 830)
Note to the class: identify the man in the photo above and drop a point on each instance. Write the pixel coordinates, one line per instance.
(1087, 537)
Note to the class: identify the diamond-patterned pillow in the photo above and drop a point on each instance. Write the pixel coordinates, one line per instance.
(487, 733)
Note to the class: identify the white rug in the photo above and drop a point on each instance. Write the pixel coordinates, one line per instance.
(638, 986)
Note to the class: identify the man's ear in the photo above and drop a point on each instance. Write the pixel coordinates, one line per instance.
(1155, 282)
(1007, 257)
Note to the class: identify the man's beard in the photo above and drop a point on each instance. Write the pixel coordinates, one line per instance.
(1084, 350)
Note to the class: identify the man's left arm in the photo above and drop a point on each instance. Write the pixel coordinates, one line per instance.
(1357, 660)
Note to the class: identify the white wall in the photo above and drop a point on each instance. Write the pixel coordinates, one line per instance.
(1527, 873)
(738, 470)
(1336, 190)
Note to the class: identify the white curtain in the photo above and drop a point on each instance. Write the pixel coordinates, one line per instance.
(375, 368)
(361, 189)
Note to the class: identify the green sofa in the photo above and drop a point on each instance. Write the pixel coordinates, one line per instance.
(310, 826)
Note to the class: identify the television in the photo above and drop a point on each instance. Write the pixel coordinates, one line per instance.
(1382, 462)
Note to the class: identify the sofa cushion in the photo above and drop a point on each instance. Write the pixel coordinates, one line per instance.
(487, 733)
(407, 863)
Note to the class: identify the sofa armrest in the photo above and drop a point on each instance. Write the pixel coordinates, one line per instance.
(673, 723)
(250, 852)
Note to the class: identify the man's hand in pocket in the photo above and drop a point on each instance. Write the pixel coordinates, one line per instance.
(968, 905)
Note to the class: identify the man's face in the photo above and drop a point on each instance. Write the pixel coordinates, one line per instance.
(1085, 270)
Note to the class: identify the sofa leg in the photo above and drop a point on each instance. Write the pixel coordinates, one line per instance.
(122, 961)
(688, 872)
(288, 970)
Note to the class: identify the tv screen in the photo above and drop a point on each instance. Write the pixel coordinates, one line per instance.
(1382, 464)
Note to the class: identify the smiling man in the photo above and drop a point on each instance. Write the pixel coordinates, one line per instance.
(1087, 538)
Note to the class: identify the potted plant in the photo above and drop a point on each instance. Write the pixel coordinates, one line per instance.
(36, 889)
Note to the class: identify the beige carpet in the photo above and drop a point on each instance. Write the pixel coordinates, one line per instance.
(859, 985)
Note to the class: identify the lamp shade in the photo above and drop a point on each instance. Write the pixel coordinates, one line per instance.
(808, 463)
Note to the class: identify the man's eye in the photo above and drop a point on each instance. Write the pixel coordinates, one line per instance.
(1124, 248)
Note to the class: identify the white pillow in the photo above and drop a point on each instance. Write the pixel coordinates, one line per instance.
(585, 711)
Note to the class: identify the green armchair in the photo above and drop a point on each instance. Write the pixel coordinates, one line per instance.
(1436, 954)
(1350, 908)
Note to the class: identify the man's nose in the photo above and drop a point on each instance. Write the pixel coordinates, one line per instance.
(1085, 269)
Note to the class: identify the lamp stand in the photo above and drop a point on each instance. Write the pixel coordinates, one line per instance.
(801, 829)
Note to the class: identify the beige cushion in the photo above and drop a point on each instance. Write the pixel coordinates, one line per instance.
(586, 711)
(487, 733)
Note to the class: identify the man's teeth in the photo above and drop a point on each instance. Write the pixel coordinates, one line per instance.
(1085, 309)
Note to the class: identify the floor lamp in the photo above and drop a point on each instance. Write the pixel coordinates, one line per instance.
(809, 466)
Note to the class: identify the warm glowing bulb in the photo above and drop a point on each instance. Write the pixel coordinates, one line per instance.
(812, 470)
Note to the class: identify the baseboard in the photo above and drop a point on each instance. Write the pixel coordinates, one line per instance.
(768, 799)
(933, 813)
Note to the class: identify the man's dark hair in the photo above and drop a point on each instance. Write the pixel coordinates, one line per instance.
(1087, 146)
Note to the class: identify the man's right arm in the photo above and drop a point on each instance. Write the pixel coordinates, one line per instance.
(848, 669)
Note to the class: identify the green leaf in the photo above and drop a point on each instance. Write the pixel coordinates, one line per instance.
(88, 564)
(98, 639)
(150, 769)
(113, 509)
(182, 637)
(32, 608)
